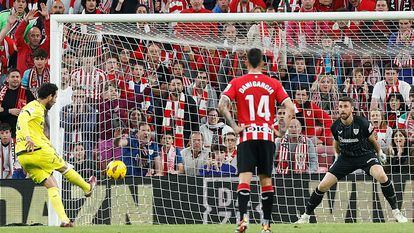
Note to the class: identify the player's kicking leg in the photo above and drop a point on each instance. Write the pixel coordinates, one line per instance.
(267, 201)
(73, 177)
(317, 196)
(387, 188)
(243, 196)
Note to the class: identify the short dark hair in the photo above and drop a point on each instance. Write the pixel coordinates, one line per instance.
(391, 66)
(39, 53)
(83, 3)
(47, 89)
(346, 99)
(218, 147)
(11, 70)
(302, 87)
(142, 123)
(255, 57)
(5, 127)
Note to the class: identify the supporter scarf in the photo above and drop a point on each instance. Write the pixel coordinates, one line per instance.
(21, 96)
(391, 89)
(175, 112)
(168, 159)
(360, 98)
(201, 101)
(300, 162)
(10, 158)
(35, 81)
(245, 8)
(147, 98)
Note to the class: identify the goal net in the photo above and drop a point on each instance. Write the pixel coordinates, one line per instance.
(144, 89)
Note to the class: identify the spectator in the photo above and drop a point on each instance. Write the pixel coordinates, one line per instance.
(384, 88)
(245, 6)
(38, 74)
(113, 112)
(88, 75)
(217, 164)
(7, 155)
(361, 5)
(140, 153)
(13, 97)
(382, 130)
(19, 7)
(79, 159)
(179, 72)
(69, 6)
(371, 69)
(154, 66)
(222, 6)
(400, 157)
(299, 76)
(80, 123)
(359, 90)
(8, 47)
(325, 94)
(311, 116)
(124, 58)
(395, 108)
(286, 6)
(70, 60)
(114, 76)
(279, 126)
(401, 45)
(135, 116)
(57, 7)
(325, 6)
(230, 142)
(66, 88)
(179, 113)
(208, 60)
(124, 6)
(213, 131)
(295, 153)
(90, 6)
(194, 156)
(406, 122)
(172, 161)
(204, 95)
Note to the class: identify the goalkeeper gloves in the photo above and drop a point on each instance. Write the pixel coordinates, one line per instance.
(382, 157)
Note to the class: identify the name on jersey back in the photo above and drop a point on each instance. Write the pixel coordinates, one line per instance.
(250, 84)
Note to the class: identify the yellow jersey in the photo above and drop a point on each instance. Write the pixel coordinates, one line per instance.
(30, 123)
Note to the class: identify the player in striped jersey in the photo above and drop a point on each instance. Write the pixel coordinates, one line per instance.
(256, 96)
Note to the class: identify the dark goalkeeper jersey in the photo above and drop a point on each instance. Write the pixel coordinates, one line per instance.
(353, 139)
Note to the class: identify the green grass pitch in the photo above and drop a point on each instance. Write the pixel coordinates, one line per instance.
(226, 228)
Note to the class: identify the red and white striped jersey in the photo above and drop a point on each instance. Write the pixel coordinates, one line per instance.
(256, 96)
(176, 6)
(92, 81)
(7, 48)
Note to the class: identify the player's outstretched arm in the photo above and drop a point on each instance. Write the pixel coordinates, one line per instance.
(224, 109)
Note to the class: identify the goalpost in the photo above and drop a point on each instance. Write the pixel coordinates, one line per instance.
(82, 47)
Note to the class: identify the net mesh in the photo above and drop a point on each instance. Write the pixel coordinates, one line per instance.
(116, 77)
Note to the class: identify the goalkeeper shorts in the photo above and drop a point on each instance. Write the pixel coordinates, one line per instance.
(40, 164)
(345, 165)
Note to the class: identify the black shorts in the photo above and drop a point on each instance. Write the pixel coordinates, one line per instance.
(256, 153)
(346, 165)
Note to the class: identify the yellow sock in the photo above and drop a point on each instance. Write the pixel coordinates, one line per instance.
(73, 177)
(57, 204)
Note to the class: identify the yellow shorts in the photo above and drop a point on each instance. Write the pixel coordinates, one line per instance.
(41, 163)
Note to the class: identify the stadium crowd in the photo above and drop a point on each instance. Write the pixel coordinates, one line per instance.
(154, 105)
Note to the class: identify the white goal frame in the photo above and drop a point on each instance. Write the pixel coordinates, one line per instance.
(56, 49)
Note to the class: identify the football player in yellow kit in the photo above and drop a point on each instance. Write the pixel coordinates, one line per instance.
(37, 156)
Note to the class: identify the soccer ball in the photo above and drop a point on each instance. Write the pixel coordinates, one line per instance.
(116, 170)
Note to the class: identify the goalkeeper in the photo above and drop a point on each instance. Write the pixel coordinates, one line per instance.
(357, 148)
(37, 156)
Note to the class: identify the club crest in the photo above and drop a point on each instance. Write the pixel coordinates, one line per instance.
(356, 131)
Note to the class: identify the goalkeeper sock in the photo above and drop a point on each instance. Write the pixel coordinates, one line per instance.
(389, 193)
(73, 177)
(243, 194)
(314, 201)
(57, 204)
(267, 202)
